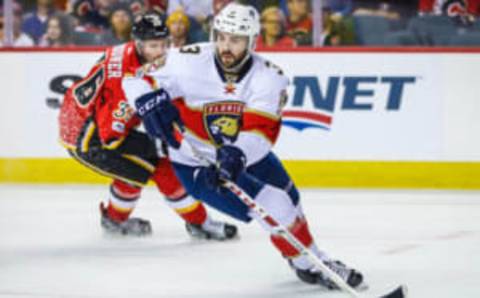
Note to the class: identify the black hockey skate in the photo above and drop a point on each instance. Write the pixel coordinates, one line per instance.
(351, 276)
(212, 230)
(130, 227)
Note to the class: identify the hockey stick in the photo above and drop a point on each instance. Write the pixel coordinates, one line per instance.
(282, 231)
(278, 229)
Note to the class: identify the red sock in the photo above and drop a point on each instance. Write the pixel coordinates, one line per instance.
(191, 210)
(300, 230)
(123, 198)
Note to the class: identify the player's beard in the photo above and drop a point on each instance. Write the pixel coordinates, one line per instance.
(228, 59)
(231, 62)
(145, 58)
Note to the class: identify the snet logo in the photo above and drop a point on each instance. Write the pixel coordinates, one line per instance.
(324, 98)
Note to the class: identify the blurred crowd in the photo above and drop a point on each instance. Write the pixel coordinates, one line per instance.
(285, 23)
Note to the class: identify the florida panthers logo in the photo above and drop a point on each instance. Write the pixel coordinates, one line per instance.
(222, 121)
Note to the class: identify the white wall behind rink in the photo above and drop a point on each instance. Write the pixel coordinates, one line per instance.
(437, 120)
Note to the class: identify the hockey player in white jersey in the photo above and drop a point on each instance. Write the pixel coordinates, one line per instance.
(229, 100)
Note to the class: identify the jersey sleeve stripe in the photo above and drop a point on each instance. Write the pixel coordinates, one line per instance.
(263, 125)
(261, 113)
(192, 119)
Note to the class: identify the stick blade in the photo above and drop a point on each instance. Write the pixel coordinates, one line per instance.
(400, 292)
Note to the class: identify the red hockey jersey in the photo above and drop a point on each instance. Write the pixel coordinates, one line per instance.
(100, 99)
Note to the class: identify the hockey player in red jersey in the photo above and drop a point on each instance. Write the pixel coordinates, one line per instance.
(228, 99)
(100, 130)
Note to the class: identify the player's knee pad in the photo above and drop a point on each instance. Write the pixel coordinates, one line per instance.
(278, 204)
(271, 164)
(166, 180)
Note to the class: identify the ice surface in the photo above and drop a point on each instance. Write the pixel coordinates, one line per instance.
(51, 245)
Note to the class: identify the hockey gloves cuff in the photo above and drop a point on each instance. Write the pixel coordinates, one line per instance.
(159, 116)
(231, 162)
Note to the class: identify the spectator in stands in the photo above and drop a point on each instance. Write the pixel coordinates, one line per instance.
(121, 21)
(273, 29)
(137, 8)
(158, 5)
(299, 21)
(199, 12)
(464, 11)
(218, 5)
(99, 16)
(59, 31)
(339, 7)
(20, 39)
(450, 7)
(82, 12)
(337, 30)
(179, 26)
(261, 5)
(376, 8)
(35, 22)
(61, 5)
(85, 34)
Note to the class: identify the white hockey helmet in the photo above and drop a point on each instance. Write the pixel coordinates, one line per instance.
(238, 19)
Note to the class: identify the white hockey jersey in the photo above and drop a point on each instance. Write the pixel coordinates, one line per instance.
(217, 107)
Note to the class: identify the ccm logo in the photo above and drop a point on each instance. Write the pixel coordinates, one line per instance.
(149, 101)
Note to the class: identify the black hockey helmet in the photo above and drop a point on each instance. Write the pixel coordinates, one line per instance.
(151, 25)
